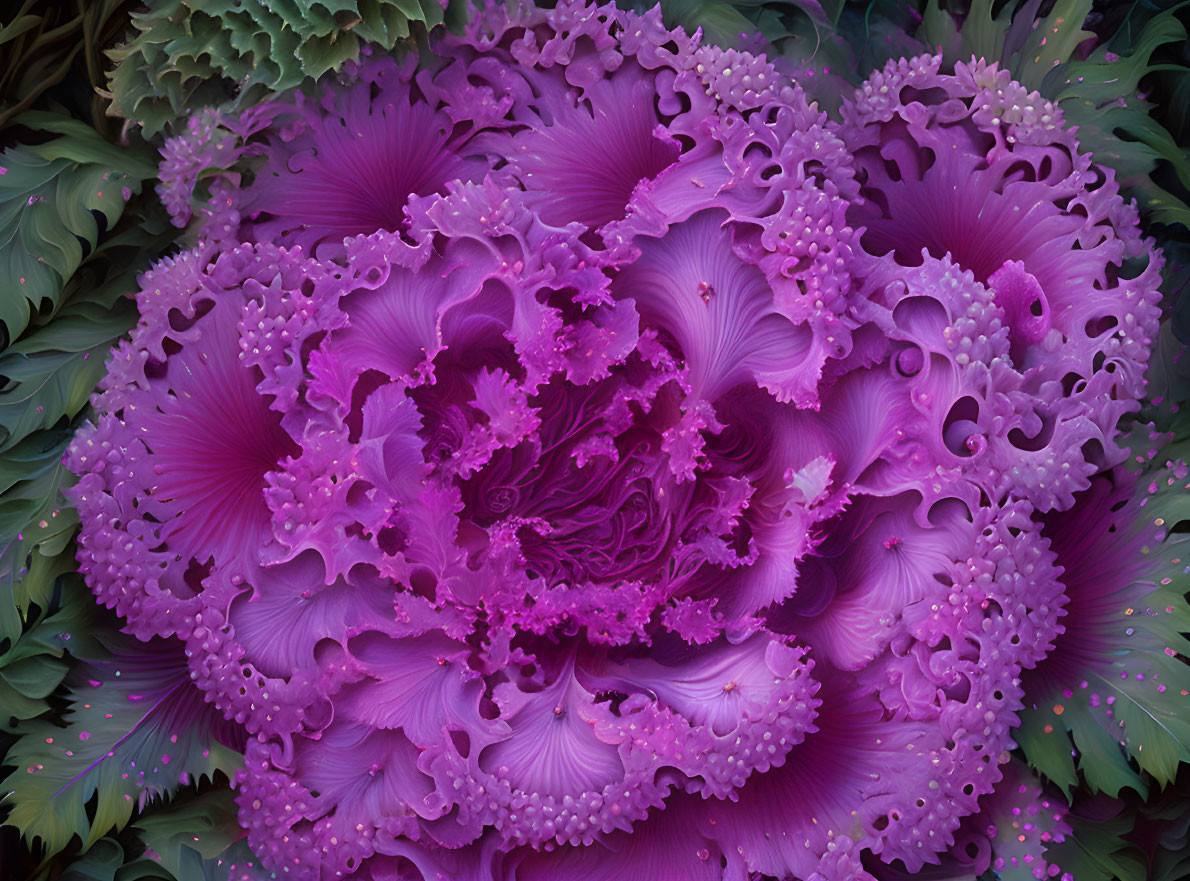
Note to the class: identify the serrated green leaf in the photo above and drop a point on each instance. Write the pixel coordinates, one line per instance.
(1097, 850)
(1104, 81)
(1125, 704)
(35, 460)
(50, 195)
(1048, 752)
(137, 727)
(205, 824)
(185, 56)
(32, 513)
(1157, 733)
(198, 837)
(52, 372)
(56, 630)
(79, 327)
(1103, 760)
(49, 385)
(320, 54)
(1047, 741)
(83, 145)
(1100, 96)
(32, 663)
(1051, 43)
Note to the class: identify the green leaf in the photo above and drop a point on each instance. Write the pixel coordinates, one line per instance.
(60, 626)
(1100, 96)
(1097, 850)
(1051, 43)
(1156, 733)
(1046, 742)
(721, 22)
(1171, 865)
(1171, 862)
(938, 30)
(50, 197)
(1049, 752)
(145, 869)
(34, 585)
(34, 677)
(52, 371)
(1125, 704)
(32, 663)
(17, 705)
(33, 513)
(100, 863)
(205, 825)
(320, 54)
(982, 34)
(833, 9)
(83, 145)
(1102, 759)
(137, 730)
(18, 26)
(198, 837)
(185, 56)
(106, 861)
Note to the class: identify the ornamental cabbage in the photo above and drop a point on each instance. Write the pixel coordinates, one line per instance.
(577, 457)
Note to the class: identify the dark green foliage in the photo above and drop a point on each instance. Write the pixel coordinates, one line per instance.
(1098, 849)
(49, 46)
(1128, 725)
(76, 226)
(1101, 93)
(34, 661)
(82, 263)
(137, 729)
(1103, 98)
(184, 56)
(56, 198)
(196, 836)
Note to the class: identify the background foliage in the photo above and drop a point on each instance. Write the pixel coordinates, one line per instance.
(89, 89)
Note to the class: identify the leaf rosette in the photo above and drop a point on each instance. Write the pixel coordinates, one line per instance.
(544, 512)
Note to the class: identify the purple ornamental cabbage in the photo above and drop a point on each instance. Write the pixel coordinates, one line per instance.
(972, 168)
(541, 463)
